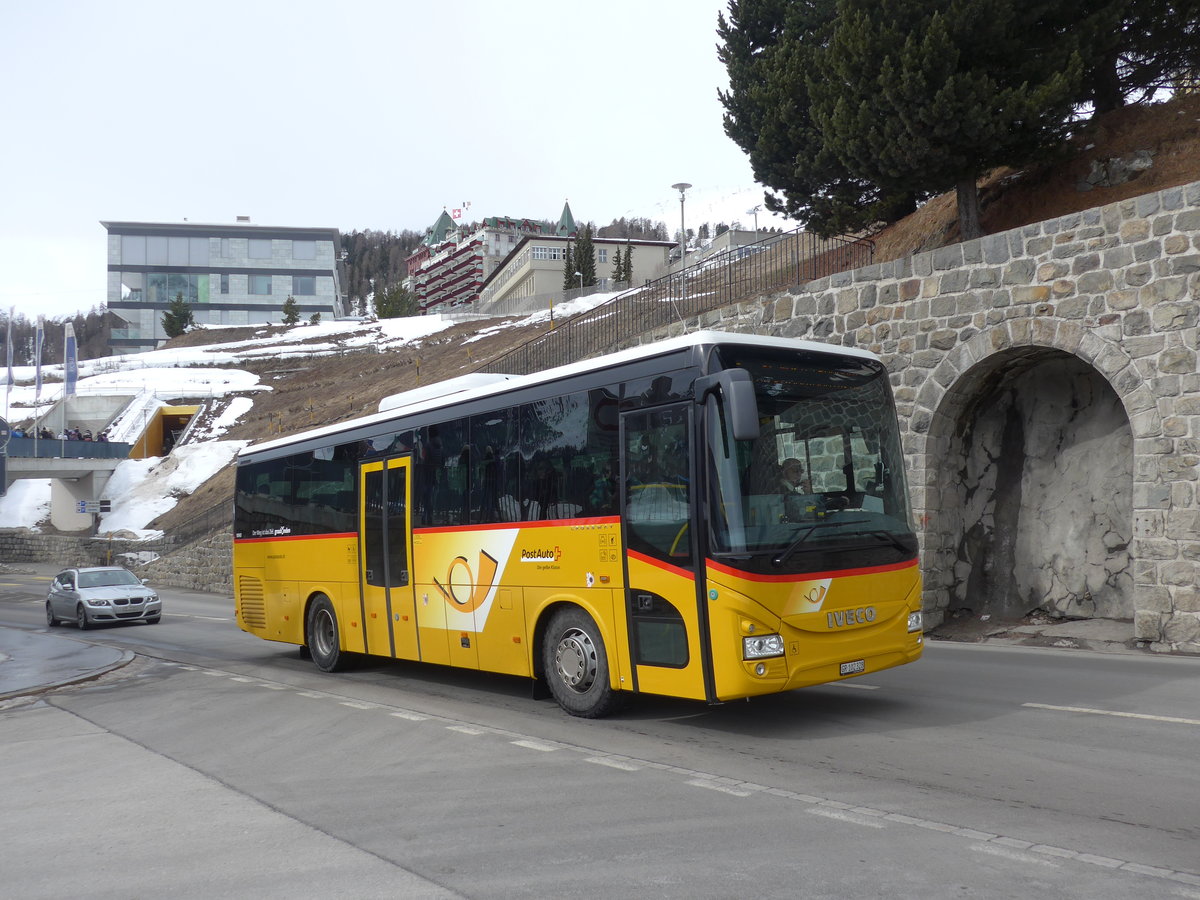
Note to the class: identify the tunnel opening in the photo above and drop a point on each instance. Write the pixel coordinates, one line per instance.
(1036, 492)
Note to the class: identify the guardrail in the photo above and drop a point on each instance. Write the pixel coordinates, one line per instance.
(41, 448)
(795, 257)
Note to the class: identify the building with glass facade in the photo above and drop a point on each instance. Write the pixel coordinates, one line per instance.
(231, 274)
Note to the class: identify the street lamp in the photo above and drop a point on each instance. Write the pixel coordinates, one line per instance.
(681, 187)
(579, 275)
(754, 212)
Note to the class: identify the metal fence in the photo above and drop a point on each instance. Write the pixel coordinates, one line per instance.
(779, 261)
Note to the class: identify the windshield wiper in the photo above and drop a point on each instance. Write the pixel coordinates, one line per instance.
(778, 559)
(890, 538)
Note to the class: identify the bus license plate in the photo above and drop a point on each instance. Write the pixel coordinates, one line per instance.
(853, 668)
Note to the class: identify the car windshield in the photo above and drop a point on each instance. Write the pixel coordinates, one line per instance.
(107, 578)
(824, 481)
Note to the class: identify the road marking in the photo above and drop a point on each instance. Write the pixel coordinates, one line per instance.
(1014, 855)
(614, 763)
(717, 786)
(1174, 720)
(535, 745)
(356, 704)
(412, 717)
(857, 687)
(465, 729)
(852, 818)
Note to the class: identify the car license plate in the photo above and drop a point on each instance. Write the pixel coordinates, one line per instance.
(853, 668)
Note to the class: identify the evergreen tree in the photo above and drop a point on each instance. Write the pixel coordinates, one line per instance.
(585, 257)
(627, 272)
(394, 302)
(618, 265)
(924, 95)
(771, 49)
(314, 319)
(291, 311)
(569, 279)
(178, 318)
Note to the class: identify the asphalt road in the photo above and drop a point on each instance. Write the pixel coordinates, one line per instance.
(216, 764)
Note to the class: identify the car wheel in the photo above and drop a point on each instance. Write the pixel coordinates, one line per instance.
(323, 636)
(81, 618)
(576, 665)
(51, 618)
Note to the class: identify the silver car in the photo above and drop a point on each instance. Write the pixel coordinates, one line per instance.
(100, 594)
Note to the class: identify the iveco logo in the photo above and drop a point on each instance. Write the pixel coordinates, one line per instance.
(844, 617)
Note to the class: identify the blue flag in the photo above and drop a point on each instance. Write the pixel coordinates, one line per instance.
(70, 361)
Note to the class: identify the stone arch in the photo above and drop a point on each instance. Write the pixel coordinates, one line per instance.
(1028, 433)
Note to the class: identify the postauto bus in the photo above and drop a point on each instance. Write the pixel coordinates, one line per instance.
(712, 517)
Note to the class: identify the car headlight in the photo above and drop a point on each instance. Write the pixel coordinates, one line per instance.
(914, 622)
(151, 598)
(92, 601)
(762, 646)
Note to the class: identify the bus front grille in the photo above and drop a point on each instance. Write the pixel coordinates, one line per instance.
(252, 602)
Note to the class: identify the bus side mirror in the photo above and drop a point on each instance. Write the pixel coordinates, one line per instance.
(736, 388)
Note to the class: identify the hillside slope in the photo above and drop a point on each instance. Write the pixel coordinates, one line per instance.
(326, 389)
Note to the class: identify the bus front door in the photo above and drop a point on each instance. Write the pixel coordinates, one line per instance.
(665, 613)
(385, 539)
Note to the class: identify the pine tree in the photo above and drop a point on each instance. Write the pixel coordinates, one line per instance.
(291, 311)
(924, 95)
(627, 275)
(394, 302)
(618, 265)
(585, 257)
(569, 279)
(771, 50)
(178, 318)
(314, 319)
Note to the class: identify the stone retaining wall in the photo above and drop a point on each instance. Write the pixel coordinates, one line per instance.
(1048, 320)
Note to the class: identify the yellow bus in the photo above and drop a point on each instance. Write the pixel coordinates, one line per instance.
(715, 516)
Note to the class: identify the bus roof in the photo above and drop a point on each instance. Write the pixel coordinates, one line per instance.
(506, 383)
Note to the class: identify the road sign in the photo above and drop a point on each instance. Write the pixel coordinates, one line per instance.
(94, 506)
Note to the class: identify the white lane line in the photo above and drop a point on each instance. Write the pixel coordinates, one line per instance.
(535, 745)
(1014, 855)
(613, 763)
(465, 729)
(852, 818)
(412, 717)
(355, 704)
(857, 687)
(718, 786)
(1174, 720)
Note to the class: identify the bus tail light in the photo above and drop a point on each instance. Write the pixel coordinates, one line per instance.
(762, 646)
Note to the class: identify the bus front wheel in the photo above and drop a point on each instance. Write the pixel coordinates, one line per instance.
(576, 665)
(323, 637)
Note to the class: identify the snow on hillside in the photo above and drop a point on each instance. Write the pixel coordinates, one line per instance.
(143, 489)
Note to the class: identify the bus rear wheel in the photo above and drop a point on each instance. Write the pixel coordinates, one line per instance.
(576, 665)
(323, 636)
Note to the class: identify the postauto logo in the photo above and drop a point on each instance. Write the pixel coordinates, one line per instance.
(541, 554)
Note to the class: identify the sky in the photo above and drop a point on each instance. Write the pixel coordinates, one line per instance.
(361, 114)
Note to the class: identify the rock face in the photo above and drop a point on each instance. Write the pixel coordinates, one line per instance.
(1044, 480)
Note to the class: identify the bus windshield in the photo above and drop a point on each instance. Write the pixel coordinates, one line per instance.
(824, 481)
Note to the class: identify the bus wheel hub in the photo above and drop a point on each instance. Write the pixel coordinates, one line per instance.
(575, 660)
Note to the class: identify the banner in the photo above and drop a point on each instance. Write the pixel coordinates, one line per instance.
(39, 340)
(70, 361)
(12, 311)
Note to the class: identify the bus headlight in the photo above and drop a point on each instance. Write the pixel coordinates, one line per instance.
(762, 646)
(914, 622)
